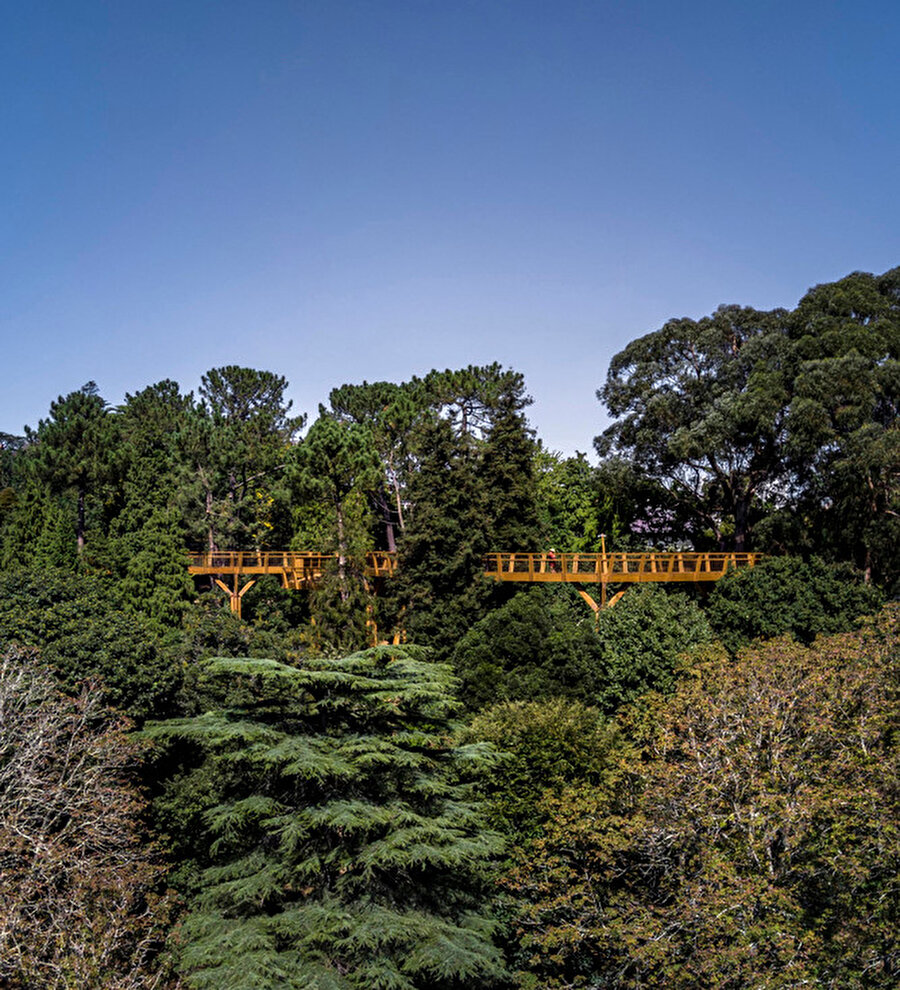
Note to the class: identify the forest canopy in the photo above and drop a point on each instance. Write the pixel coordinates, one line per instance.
(434, 781)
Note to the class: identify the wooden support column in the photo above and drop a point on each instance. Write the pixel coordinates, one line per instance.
(593, 605)
(236, 592)
(595, 608)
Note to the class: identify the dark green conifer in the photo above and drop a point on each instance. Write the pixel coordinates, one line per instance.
(441, 559)
(328, 840)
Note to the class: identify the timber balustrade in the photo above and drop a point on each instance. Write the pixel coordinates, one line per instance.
(298, 565)
(615, 567)
(302, 569)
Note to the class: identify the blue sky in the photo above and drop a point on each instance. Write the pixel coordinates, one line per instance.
(342, 190)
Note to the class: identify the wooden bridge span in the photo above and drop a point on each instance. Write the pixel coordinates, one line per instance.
(301, 569)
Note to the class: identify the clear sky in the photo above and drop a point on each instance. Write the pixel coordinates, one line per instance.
(339, 190)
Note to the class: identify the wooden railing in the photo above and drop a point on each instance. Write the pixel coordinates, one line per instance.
(304, 569)
(615, 568)
(299, 563)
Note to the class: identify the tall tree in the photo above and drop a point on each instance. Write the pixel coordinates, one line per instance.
(241, 444)
(843, 417)
(152, 427)
(329, 821)
(468, 398)
(389, 412)
(336, 459)
(150, 533)
(71, 450)
(700, 407)
(438, 587)
(506, 479)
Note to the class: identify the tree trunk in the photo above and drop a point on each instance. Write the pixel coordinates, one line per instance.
(79, 527)
(741, 529)
(211, 536)
(399, 503)
(342, 551)
(385, 506)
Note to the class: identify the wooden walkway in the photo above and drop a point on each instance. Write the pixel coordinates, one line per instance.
(300, 569)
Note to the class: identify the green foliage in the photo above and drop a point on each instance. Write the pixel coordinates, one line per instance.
(239, 443)
(336, 463)
(438, 585)
(545, 747)
(390, 413)
(506, 479)
(573, 509)
(473, 492)
(540, 644)
(469, 398)
(778, 429)
(209, 629)
(642, 639)
(71, 452)
(544, 643)
(789, 595)
(83, 632)
(700, 407)
(329, 837)
(843, 418)
(153, 561)
(758, 845)
(39, 530)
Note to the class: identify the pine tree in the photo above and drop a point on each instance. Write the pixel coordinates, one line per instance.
(239, 442)
(328, 839)
(70, 452)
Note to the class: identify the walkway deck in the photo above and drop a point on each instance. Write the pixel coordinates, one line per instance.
(301, 569)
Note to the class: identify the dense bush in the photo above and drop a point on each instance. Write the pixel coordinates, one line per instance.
(540, 644)
(759, 845)
(642, 638)
(789, 595)
(546, 643)
(545, 746)
(83, 632)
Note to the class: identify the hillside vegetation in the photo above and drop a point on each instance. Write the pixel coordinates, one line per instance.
(693, 788)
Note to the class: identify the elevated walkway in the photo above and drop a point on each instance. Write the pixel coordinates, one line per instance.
(614, 568)
(304, 570)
